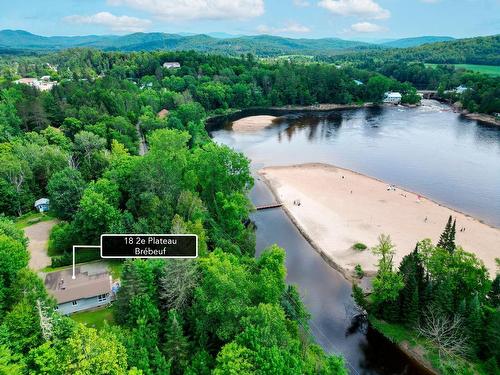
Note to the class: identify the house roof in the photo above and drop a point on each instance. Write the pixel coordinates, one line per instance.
(86, 284)
(393, 94)
(41, 201)
(26, 80)
(163, 113)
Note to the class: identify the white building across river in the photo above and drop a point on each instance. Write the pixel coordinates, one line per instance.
(392, 97)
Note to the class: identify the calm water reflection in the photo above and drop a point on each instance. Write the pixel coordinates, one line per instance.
(429, 149)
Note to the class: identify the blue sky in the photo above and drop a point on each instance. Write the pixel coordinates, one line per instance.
(348, 19)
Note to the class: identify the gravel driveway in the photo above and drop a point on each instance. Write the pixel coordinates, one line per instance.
(38, 235)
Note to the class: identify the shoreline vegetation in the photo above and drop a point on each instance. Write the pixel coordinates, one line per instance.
(482, 117)
(243, 124)
(289, 184)
(324, 193)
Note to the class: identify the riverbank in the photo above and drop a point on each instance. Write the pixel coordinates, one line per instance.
(482, 117)
(322, 107)
(339, 208)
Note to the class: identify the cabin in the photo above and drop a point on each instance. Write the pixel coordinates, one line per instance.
(392, 97)
(91, 288)
(163, 113)
(42, 204)
(171, 65)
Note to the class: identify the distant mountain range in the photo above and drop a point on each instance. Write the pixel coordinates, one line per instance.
(415, 42)
(262, 45)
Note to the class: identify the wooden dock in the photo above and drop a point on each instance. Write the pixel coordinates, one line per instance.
(267, 206)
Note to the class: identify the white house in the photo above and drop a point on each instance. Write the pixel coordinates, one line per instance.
(171, 65)
(392, 97)
(461, 89)
(359, 83)
(43, 85)
(28, 81)
(42, 204)
(90, 289)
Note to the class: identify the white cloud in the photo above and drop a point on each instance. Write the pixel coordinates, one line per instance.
(196, 9)
(290, 27)
(115, 23)
(366, 27)
(360, 8)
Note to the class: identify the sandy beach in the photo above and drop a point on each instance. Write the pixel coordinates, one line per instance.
(253, 123)
(339, 208)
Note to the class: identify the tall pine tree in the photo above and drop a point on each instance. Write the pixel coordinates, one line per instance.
(447, 239)
(176, 347)
(412, 272)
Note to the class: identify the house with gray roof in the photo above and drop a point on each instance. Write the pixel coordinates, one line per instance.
(90, 289)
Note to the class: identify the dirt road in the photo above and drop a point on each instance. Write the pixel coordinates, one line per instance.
(38, 235)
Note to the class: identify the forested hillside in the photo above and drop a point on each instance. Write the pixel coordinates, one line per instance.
(480, 50)
(482, 92)
(261, 45)
(416, 41)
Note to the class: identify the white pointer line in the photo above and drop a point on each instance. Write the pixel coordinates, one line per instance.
(84, 246)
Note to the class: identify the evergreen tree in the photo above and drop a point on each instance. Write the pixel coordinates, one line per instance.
(451, 238)
(474, 323)
(444, 236)
(490, 342)
(176, 347)
(409, 298)
(447, 239)
(494, 293)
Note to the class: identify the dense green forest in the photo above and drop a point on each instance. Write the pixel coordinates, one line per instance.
(482, 94)
(442, 294)
(479, 50)
(408, 65)
(223, 313)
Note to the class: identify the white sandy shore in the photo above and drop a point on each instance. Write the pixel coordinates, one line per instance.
(334, 219)
(253, 123)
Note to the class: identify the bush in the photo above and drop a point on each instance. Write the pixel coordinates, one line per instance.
(61, 239)
(359, 271)
(360, 246)
(359, 297)
(81, 256)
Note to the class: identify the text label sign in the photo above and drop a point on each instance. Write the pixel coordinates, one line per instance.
(149, 246)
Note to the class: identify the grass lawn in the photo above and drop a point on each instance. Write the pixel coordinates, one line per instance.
(394, 332)
(95, 318)
(399, 334)
(491, 70)
(32, 218)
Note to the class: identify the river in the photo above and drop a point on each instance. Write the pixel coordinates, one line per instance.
(428, 149)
